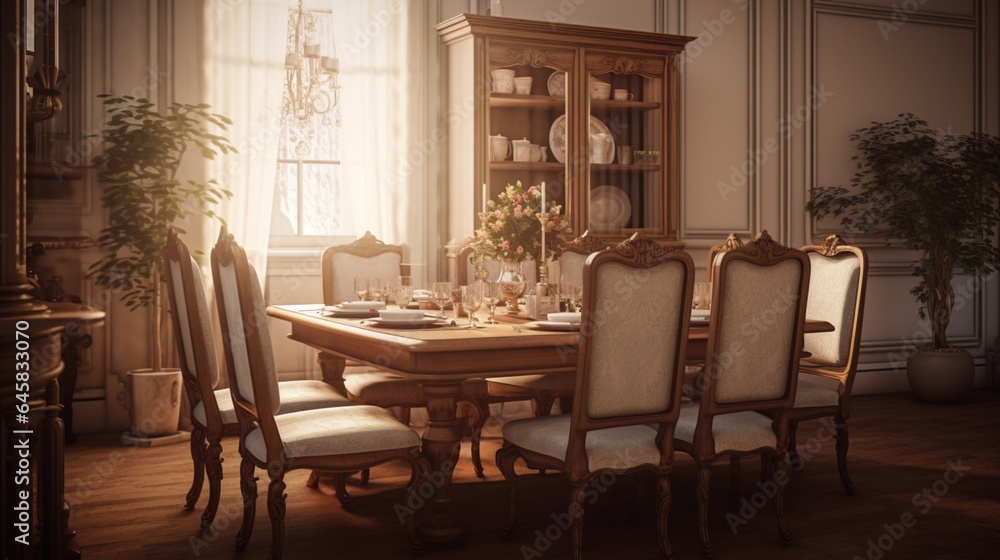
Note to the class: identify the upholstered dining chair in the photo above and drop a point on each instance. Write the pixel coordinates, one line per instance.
(541, 389)
(836, 295)
(212, 411)
(368, 256)
(340, 439)
(631, 354)
(763, 285)
(694, 372)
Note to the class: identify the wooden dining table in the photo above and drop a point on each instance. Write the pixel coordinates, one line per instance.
(440, 358)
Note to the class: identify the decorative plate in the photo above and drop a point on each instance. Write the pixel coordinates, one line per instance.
(557, 84)
(557, 137)
(610, 207)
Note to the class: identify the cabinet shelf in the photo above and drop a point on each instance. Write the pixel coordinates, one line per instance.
(515, 101)
(613, 105)
(594, 167)
(527, 165)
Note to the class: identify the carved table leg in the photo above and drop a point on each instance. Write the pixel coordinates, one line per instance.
(441, 445)
(333, 370)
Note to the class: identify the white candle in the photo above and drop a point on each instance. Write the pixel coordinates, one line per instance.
(485, 197)
(544, 260)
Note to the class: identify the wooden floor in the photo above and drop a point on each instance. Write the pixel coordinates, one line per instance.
(128, 502)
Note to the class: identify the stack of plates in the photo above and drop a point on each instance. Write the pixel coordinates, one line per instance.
(355, 309)
(558, 322)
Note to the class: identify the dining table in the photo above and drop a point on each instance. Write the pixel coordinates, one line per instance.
(440, 358)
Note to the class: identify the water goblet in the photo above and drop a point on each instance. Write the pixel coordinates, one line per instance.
(472, 300)
(441, 294)
(403, 295)
(492, 295)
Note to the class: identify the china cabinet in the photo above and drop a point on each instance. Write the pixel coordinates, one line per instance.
(592, 112)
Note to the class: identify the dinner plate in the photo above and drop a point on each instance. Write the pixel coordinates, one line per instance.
(341, 313)
(553, 326)
(557, 84)
(557, 137)
(610, 207)
(424, 323)
(701, 313)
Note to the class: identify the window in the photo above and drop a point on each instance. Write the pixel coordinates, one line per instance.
(308, 194)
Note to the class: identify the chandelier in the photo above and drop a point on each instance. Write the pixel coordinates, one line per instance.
(312, 84)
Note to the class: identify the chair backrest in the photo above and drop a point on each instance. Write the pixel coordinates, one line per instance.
(365, 257)
(755, 334)
(574, 255)
(731, 242)
(192, 326)
(837, 296)
(245, 335)
(636, 313)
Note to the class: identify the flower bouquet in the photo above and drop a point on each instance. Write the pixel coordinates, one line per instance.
(512, 225)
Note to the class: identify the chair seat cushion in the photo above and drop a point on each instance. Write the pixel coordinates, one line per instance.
(611, 448)
(816, 390)
(737, 431)
(553, 384)
(308, 394)
(381, 388)
(295, 396)
(336, 431)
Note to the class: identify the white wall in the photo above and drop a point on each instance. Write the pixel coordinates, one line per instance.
(755, 138)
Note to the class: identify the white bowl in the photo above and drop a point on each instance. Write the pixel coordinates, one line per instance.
(401, 315)
(362, 305)
(564, 317)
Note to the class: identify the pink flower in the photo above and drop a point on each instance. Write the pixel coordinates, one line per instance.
(505, 245)
(518, 212)
(520, 249)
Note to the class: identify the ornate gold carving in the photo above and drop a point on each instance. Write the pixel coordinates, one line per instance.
(763, 247)
(831, 245)
(584, 244)
(642, 250)
(367, 246)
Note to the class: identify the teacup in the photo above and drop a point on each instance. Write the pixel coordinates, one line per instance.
(623, 95)
(600, 90)
(522, 85)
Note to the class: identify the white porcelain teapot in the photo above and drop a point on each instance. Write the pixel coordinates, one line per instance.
(521, 149)
(499, 148)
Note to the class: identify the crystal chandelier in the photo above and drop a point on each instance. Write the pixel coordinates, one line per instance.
(312, 84)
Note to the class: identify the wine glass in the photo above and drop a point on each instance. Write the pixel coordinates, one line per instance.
(492, 294)
(376, 289)
(441, 294)
(472, 300)
(403, 295)
(361, 288)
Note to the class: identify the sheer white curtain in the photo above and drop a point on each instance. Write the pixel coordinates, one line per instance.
(389, 102)
(243, 79)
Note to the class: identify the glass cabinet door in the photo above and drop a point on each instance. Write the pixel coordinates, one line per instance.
(527, 120)
(625, 178)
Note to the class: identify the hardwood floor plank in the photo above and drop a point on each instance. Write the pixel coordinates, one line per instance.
(127, 503)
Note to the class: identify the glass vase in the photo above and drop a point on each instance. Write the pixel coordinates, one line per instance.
(513, 284)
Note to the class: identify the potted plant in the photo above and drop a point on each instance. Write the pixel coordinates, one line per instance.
(143, 151)
(934, 193)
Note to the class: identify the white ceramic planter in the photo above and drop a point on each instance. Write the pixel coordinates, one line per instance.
(153, 400)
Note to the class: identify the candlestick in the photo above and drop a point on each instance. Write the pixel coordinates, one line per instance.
(542, 288)
(485, 197)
